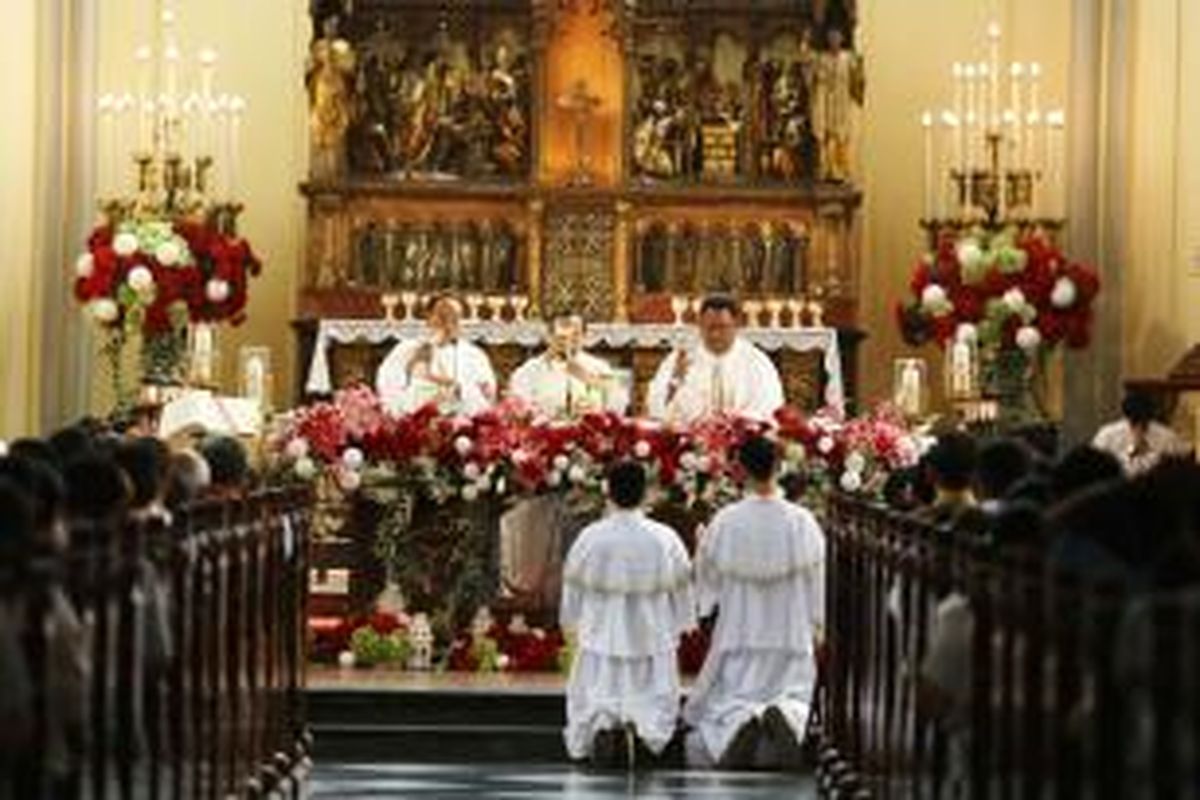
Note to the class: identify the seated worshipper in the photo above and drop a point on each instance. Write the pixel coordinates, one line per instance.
(146, 461)
(228, 466)
(1138, 440)
(760, 565)
(722, 373)
(626, 600)
(565, 380)
(441, 367)
(950, 466)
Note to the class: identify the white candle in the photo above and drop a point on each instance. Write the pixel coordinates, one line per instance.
(994, 72)
(143, 56)
(105, 138)
(1055, 121)
(970, 119)
(237, 106)
(952, 152)
(927, 126)
(221, 148)
(1033, 162)
(256, 380)
(1035, 76)
(1014, 102)
(960, 369)
(202, 352)
(208, 68)
(909, 399)
(127, 122)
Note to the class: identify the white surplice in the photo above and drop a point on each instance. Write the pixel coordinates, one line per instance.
(404, 387)
(627, 595)
(741, 381)
(1160, 442)
(545, 383)
(761, 563)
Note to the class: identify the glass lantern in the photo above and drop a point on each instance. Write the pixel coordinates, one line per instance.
(255, 375)
(910, 387)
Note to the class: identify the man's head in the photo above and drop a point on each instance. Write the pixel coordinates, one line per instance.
(1138, 409)
(445, 317)
(228, 464)
(145, 462)
(718, 323)
(759, 457)
(626, 484)
(1002, 462)
(951, 462)
(566, 335)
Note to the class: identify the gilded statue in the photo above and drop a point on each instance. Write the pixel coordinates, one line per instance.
(840, 81)
(330, 80)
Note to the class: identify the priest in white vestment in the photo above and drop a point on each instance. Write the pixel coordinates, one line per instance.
(760, 565)
(441, 368)
(566, 380)
(722, 373)
(626, 601)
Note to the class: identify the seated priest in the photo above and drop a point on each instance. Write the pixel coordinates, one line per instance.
(440, 367)
(722, 373)
(565, 380)
(760, 567)
(626, 601)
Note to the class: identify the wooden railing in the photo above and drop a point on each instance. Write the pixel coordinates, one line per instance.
(191, 683)
(1065, 688)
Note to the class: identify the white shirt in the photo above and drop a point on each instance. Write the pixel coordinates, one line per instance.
(627, 587)
(741, 381)
(762, 563)
(404, 389)
(545, 383)
(1117, 438)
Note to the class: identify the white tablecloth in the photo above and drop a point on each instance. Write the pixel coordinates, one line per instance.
(533, 334)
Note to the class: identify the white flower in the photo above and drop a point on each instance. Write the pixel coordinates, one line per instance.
(1064, 293)
(1015, 300)
(349, 481)
(908, 452)
(470, 492)
(561, 462)
(297, 448)
(346, 659)
(502, 662)
(856, 462)
(353, 459)
(471, 471)
(168, 253)
(84, 266)
(641, 449)
(687, 461)
(851, 481)
(1029, 338)
(462, 445)
(970, 254)
(966, 332)
(104, 310)
(825, 445)
(125, 244)
(520, 456)
(140, 279)
(577, 474)
(305, 468)
(935, 301)
(554, 478)
(217, 290)
(703, 463)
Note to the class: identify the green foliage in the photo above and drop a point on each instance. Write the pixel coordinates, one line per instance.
(372, 648)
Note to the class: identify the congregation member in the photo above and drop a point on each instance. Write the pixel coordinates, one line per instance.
(566, 380)
(1138, 440)
(440, 367)
(627, 600)
(721, 374)
(760, 565)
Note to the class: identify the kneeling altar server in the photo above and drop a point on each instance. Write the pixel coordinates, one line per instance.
(441, 368)
(627, 599)
(761, 566)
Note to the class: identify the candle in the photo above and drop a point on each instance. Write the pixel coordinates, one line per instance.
(969, 120)
(1055, 121)
(1035, 75)
(1014, 102)
(208, 68)
(952, 151)
(960, 369)
(994, 51)
(984, 110)
(256, 380)
(126, 133)
(908, 397)
(105, 138)
(1032, 162)
(142, 56)
(202, 353)
(220, 148)
(927, 125)
(237, 107)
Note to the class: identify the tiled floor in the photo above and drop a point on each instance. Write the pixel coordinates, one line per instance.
(527, 782)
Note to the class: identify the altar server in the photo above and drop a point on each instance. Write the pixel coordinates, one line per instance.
(722, 373)
(565, 380)
(760, 566)
(440, 367)
(626, 599)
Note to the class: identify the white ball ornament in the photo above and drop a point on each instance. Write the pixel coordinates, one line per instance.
(125, 244)
(825, 445)
(851, 481)
(641, 449)
(462, 445)
(353, 459)
(1029, 338)
(217, 290)
(471, 471)
(1015, 300)
(1064, 293)
(85, 265)
(561, 462)
(105, 310)
(349, 481)
(168, 253)
(470, 492)
(346, 659)
(577, 474)
(140, 279)
(970, 254)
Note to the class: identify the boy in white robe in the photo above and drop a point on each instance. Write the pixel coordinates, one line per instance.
(761, 565)
(627, 599)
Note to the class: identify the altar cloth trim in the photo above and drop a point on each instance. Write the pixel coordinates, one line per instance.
(532, 334)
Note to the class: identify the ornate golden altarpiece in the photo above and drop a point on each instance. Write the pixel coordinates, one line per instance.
(606, 158)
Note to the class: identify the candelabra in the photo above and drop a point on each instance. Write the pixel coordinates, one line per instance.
(997, 165)
(180, 135)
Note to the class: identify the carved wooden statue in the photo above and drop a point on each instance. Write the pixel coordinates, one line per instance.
(330, 79)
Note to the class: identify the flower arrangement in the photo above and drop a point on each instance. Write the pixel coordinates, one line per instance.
(154, 277)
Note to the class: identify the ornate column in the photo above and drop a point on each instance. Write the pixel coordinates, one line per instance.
(621, 262)
(533, 241)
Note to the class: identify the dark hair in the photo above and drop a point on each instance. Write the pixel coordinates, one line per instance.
(1001, 463)
(35, 450)
(42, 485)
(626, 484)
(719, 302)
(227, 461)
(96, 488)
(1138, 407)
(951, 461)
(188, 476)
(71, 442)
(1018, 528)
(1083, 467)
(794, 485)
(16, 522)
(758, 457)
(145, 462)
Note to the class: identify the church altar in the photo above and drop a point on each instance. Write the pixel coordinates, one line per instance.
(603, 337)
